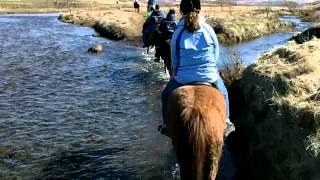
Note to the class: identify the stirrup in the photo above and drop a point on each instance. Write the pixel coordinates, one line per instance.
(230, 128)
(163, 129)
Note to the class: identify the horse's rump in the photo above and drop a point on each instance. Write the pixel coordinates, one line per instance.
(158, 39)
(195, 117)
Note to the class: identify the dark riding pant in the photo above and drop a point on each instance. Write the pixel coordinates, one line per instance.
(173, 84)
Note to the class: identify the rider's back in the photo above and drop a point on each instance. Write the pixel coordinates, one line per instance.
(168, 26)
(152, 23)
(195, 56)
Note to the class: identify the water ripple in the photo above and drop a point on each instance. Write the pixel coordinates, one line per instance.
(67, 114)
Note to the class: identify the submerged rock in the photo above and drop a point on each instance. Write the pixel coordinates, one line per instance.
(95, 49)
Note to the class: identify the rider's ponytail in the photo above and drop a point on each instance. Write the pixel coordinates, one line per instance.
(192, 21)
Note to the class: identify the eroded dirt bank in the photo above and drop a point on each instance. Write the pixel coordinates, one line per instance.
(113, 23)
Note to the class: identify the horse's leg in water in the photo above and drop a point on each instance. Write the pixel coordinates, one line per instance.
(166, 56)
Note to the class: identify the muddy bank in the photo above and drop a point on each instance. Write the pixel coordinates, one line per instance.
(307, 35)
(248, 26)
(110, 30)
(115, 24)
(276, 113)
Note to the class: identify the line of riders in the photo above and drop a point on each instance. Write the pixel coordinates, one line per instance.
(195, 104)
(189, 48)
(161, 24)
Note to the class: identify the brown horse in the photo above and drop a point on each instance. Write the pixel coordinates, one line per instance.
(195, 118)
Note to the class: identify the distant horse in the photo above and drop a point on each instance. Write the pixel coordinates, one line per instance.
(195, 118)
(136, 6)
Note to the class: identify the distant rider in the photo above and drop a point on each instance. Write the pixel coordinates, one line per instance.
(152, 23)
(157, 13)
(151, 3)
(168, 25)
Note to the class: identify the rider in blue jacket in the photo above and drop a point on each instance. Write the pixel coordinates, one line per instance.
(152, 23)
(194, 54)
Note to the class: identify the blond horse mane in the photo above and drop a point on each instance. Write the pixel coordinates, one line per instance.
(196, 121)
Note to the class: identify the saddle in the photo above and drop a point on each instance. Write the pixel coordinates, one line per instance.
(163, 128)
(202, 83)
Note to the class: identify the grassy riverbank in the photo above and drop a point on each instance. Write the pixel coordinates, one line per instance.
(278, 114)
(113, 23)
(232, 25)
(120, 21)
(250, 25)
(309, 13)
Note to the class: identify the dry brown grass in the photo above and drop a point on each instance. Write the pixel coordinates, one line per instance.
(313, 144)
(126, 20)
(132, 22)
(232, 68)
(309, 13)
(250, 25)
(280, 114)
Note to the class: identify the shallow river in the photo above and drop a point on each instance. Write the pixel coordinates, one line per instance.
(65, 113)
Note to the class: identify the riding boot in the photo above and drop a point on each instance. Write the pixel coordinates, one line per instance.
(163, 129)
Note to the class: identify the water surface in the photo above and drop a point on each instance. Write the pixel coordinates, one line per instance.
(68, 114)
(65, 113)
(250, 51)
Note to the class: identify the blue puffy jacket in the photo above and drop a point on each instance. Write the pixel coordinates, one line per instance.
(195, 55)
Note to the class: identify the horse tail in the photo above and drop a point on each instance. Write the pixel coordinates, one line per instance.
(204, 144)
(194, 121)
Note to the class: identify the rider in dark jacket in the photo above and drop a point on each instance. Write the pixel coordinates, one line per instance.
(152, 23)
(168, 25)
